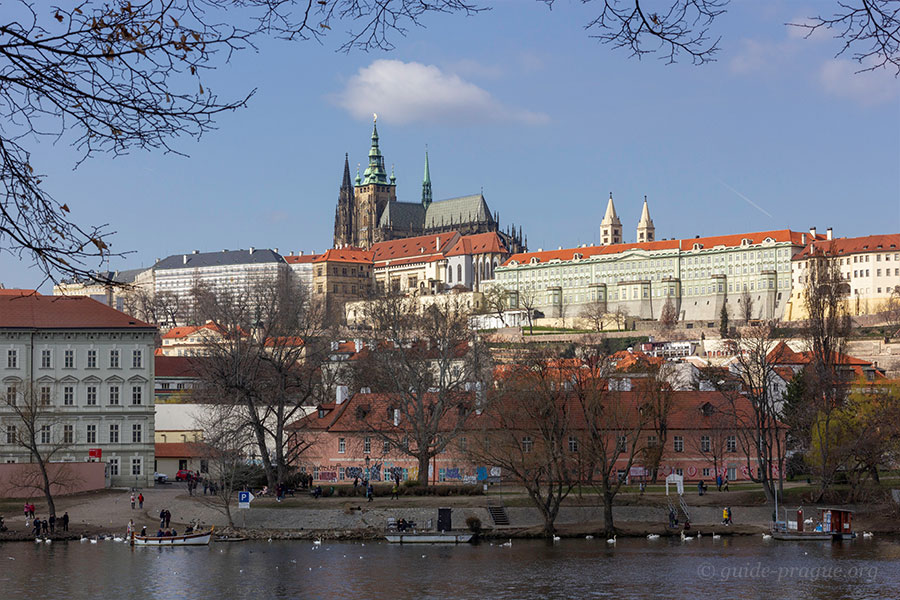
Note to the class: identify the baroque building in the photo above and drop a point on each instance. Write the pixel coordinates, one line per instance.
(368, 211)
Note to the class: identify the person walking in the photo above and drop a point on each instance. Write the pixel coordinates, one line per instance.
(141, 501)
(45, 527)
(370, 492)
(719, 483)
(725, 484)
(395, 492)
(65, 521)
(37, 527)
(162, 518)
(725, 516)
(168, 518)
(132, 500)
(52, 523)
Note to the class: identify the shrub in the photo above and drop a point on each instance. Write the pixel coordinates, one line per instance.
(474, 524)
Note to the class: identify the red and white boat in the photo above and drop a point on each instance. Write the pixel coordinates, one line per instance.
(201, 538)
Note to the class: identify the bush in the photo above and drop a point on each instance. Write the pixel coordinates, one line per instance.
(474, 524)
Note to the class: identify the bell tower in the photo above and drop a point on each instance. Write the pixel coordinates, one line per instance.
(373, 192)
(646, 232)
(610, 226)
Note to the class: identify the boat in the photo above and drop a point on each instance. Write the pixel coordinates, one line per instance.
(201, 538)
(225, 538)
(834, 524)
(445, 537)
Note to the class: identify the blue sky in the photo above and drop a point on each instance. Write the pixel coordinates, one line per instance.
(521, 103)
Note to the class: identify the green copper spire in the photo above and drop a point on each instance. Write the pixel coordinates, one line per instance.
(358, 178)
(375, 172)
(426, 184)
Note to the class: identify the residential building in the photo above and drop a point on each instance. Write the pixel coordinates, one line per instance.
(92, 368)
(870, 265)
(109, 287)
(697, 275)
(368, 211)
(301, 266)
(189, 340)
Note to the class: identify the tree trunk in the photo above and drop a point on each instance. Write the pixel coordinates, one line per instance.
(51, 506)
(423, 469)
(608, 512)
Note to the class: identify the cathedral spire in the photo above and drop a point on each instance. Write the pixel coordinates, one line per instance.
(426, 184)
(346, 182)
(611, 226)
(375, 172)
(646, 232)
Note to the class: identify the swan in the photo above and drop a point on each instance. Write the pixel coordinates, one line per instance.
(117, 539)
(556, 538)
(867, 534)
(716, 536)
(38, 540)
(767, 536)
(48, 541)
(686, 538)
(653, 536)
(317, 542)
(699, 535)
(507, 544)
(588, 537)
(270, 540)
(83, 539)
(611, 540)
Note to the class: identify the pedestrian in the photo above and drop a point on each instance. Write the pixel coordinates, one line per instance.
(45, 527)
(355, 484)
(725, 516)
(65, 521)
(729, 515)
(132, 500)
(26, 512)
(370, 492)
(725, 484)
(37, 527)
(162, 518)
(168, 518)
(52, 523)
(141, 501)
(130, 529)
(395, 492)
(205, 486)
(719, 483)
(700, 487)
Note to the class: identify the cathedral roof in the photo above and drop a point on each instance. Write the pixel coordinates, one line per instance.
(480, 243)
(453, 211)
(419, 246)
(403, 216)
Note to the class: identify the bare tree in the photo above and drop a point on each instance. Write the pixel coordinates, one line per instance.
(432, 367)
(266, 363)
(227, 441)
(668, 318)
(890, 311)
(659, 407)
(827, 326)
(613, 422)
(495, 303)
(37, 427)
(526, 430)
(528, 301)
(596, 314)
(746, 307)
(719, 426)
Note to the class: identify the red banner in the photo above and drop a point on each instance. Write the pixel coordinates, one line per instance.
(95, 453)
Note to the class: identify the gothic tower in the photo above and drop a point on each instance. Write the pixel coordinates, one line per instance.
(373, 192)
(610, 226)
(343, 213)
(426, 184)
(646, 232)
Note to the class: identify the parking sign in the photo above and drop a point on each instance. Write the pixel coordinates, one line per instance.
(244, 499)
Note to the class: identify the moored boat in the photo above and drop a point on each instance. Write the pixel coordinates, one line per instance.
(833, 524)
(429, 538)
(201, 538)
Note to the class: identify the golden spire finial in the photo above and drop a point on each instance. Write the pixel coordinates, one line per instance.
(374, 117)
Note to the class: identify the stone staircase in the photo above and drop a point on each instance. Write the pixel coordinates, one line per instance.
(498, 515)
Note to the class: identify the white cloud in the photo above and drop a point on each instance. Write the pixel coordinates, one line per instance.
(757, 55)
(840, 77)
(413, 92)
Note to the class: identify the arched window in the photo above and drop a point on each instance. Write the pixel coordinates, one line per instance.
(450, 275)
(459, 274)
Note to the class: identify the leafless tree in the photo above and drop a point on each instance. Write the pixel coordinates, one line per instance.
(162, 308)
(36, 426)
(668, 318)
(868, 29)
(432, 367)
(659, 407)
(596, 314)
(525, 430)
(613, 422)
(495, 303)
(827, 327)
(746, 307)
(718, 427)
(890, 311)
(266, 363)
(112, 77)
(227, 442)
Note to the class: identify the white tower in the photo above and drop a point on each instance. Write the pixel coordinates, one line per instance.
(646, 232)
(610, 226)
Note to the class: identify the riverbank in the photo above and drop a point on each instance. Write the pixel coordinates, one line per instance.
(305, 518)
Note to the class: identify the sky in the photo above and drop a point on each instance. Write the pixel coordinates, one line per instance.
(522, 104)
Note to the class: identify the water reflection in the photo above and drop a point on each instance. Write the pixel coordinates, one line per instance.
(740, 568)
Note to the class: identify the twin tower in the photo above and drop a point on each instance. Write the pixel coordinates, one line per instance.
(611, 226)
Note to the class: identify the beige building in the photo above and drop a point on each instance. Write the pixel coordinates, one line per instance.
(341, 275)
(870, 265)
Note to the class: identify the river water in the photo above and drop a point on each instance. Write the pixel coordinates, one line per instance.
(733, 568)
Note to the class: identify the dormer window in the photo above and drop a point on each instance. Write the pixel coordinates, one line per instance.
(577, 256)
(746, 242)
(322, 412)
(707, 409)
(534, 260)
(698, 246)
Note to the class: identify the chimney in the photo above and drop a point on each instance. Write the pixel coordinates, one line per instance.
(437, 244)
(341, 393)
(195, 252)
(275, 250)
(300, 253)
(292, 253)
(184, 258)
(252, 249)
(358, 344)
(803, 238)
(829, 233)
(812, 233)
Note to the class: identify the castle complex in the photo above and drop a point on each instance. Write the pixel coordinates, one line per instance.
(368, 210)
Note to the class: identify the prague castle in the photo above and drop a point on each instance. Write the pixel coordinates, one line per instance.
(368, 210)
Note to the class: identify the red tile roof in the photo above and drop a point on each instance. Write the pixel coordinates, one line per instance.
(346, 255)
(480, 243)
(782, 235)
(423, 245)
(845, 246)
(63, 312)
(18, 292)
(176, 366)
(180, 450)
(300, 258)
(182, 332)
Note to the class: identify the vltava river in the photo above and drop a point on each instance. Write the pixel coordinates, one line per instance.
(738, 568)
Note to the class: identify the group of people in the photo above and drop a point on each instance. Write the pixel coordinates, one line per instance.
(139, 498)
(368, 489)
(721, 483)
(164, 517)
(48, 526)
(726, 515)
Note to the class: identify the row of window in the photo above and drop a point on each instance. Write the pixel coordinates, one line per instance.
(67, 434)
(137, 359)
(652, 441)
(68, 396)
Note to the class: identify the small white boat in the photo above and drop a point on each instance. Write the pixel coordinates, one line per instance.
(429, 538)
(192, 539)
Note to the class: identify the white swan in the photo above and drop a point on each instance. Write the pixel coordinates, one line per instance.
(507, 544)
(556, 538)
(716, 536)
(686, 538)
(83, 539)
(767, 536)
(117, 539)
(699, 535)
(319, 542)
(611, 540)
(48, 541)
(38, 540)
(588, 537)
(867, 534)
(93, 541)
(652, 536)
